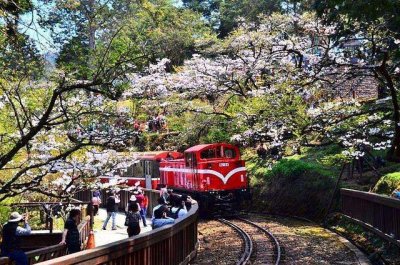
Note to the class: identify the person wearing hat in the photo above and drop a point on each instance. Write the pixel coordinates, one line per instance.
(132, 200)
(160, 218)
(11, 244)
(132, 219)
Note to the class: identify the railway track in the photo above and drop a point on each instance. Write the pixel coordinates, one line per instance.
(260, 245)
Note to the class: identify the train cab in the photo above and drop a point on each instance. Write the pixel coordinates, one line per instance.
(207, 167)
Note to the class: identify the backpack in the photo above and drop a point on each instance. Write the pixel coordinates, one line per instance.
(132, 219)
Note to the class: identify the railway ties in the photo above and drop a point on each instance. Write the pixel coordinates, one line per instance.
(260, 246)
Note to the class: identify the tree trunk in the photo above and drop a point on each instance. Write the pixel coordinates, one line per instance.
(92, 27)
(394, 151)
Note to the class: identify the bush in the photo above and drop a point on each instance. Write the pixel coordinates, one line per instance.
(388, 183)
(4, 213)
(295, 187)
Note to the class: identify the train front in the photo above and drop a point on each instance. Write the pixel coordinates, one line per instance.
(213, 174)
(223, 177)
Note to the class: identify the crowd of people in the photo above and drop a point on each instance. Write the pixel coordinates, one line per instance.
(170, 207)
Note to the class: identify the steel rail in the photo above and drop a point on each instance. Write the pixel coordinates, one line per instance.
(248, 242)
(273, 238)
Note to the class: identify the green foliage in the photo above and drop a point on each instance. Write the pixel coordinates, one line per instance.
(374, 10)
(388, 183)
(250, 10)
(224, 16)
(162, 30)
(4, 213)
(293, 169)
(5, 209)
(74, 58)
(19, 57)
(329, 156)
(138, 32)
(216, 134)
(295, 187)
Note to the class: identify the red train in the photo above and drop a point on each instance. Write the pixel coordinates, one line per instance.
(213, 174)
(145, 171)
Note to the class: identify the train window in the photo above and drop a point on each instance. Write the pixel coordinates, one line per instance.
(218, 152)
(207, 154)
(188, 159)
(148, 168)
(229, 153)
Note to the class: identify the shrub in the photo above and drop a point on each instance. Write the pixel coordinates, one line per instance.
(295, 187)
(388, 183)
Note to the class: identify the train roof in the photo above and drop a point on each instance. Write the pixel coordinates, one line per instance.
(158, 155)
(200, 147)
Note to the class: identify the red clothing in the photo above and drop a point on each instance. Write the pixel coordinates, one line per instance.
(145, 201)
(140, 200)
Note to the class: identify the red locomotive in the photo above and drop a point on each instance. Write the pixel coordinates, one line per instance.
(213, 174)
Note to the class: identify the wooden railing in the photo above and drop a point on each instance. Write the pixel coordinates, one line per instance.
(55, 251)
(84, 230)
(47, 208)
(378, 213)
(40, 240)
(169, 245)
(40, 255)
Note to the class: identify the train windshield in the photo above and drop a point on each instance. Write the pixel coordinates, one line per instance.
(218, 152)
(229, 153)
(208, 153)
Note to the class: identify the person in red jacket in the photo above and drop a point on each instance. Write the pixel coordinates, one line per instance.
(145, 205)
(141, 201)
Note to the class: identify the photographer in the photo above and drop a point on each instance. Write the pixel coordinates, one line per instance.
(11, 245)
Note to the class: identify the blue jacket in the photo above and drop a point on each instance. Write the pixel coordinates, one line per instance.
(161, 222)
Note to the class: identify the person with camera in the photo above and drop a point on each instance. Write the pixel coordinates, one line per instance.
(12, 232)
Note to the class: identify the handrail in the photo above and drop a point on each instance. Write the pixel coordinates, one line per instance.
(170, 245)
(375, 212)
(46, 253)
(84, 230)
(372, 197)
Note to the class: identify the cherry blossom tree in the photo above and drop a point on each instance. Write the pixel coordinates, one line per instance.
(277, 82)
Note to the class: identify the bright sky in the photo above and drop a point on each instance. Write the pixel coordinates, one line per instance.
(41, 36)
